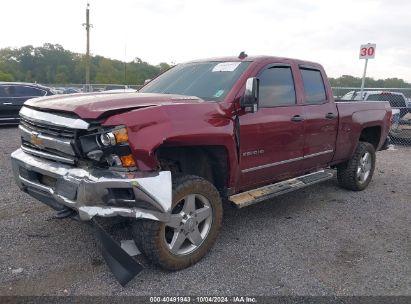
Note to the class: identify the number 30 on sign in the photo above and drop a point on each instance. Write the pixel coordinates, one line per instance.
(367, 51)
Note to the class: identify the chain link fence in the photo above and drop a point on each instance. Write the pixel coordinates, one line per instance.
(400, 101)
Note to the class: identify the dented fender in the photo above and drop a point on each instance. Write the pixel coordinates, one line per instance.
(177, 124)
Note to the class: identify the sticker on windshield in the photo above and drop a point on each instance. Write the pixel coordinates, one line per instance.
(219, 93)
(226, 66)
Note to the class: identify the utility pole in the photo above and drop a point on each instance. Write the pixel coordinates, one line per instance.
(125, 62)
(87, 25)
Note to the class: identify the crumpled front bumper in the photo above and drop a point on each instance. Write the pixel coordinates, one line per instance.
(86, 191)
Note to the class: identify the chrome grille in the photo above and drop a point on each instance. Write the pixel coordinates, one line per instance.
(50, 136)
(41, 128)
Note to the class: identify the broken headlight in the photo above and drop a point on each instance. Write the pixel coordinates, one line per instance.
(108, 147)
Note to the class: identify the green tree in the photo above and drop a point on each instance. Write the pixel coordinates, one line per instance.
(6, 76)
(355, 82)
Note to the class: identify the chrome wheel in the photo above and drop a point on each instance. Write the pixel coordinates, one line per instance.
(364, 167)
(187, 235)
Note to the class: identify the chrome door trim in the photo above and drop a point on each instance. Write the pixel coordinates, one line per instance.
(285, 161)
(319, 153)
(272, 164)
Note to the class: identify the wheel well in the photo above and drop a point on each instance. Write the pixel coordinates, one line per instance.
(371, 135)
(208, 162)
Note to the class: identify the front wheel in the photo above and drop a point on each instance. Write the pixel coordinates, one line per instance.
(357, 173)
(183, 244)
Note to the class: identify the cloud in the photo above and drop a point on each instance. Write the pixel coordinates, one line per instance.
(329, 32)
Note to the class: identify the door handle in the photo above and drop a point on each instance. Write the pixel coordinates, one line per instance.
(7, 103)
(297, 118)
(331, 115)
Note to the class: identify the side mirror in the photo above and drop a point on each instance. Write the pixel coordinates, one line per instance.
(249, 101)
(146, 81)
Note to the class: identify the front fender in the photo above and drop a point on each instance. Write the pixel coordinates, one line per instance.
(177, 125)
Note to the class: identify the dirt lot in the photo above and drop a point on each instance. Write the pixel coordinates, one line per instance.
(319, 241)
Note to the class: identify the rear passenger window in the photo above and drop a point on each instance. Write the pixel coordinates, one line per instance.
(313, 86)
(276, 87)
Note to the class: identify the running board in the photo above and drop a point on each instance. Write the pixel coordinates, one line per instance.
(261, 194)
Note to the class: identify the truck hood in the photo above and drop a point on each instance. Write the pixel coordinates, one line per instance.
(92, 106)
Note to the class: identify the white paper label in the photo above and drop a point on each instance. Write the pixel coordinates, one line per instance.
(226, 66)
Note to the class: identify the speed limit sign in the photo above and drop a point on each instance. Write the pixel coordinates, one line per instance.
(367, 51)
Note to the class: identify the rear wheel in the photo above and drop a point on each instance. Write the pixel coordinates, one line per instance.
(183, 244)
(357, 173)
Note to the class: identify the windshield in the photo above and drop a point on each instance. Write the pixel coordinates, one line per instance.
(207, 80)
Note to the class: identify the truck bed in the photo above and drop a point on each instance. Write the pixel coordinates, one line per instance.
(354, 115)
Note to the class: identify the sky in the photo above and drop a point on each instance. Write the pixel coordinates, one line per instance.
(329, 32)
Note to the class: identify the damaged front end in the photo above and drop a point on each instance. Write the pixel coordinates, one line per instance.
(48, 166)
(95, 192)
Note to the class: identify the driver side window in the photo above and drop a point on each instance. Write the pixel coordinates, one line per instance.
(276, 87)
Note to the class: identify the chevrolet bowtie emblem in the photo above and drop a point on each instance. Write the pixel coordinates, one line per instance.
(35, 140)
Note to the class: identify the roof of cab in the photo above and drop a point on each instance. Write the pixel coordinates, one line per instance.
(255, 58)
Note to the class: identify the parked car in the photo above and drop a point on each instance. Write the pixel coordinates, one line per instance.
(57, 90)
(239, 130)
(400, 132)
(118, 91)
(71, 90)
(12, 97)
(116, 87)
(397, 100)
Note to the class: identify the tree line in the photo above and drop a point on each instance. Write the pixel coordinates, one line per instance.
(52, 64)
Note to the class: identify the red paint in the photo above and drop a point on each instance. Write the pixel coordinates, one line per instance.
(154, 120)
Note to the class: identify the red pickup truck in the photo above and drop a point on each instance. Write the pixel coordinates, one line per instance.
(237, 130)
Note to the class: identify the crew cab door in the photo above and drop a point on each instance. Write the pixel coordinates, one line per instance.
(321, 119)
(271, 139)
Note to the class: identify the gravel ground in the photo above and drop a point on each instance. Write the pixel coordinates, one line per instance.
(318, 241)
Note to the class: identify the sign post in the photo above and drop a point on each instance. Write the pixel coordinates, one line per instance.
(367, 51)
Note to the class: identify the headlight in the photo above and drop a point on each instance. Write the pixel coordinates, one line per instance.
(109, 146)
(114, 137)
(120, 135)
(107, 139)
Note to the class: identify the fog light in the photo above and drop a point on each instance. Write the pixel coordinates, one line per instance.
(128, 160)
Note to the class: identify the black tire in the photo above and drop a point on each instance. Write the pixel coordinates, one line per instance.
(347, 173)
(150, 236)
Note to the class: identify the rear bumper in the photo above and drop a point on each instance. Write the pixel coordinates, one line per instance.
(89, 191)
